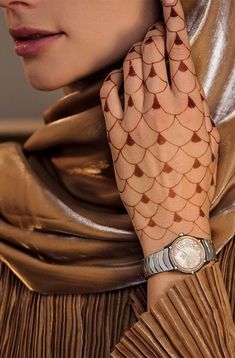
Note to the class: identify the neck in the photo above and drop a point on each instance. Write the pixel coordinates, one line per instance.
(84, 83)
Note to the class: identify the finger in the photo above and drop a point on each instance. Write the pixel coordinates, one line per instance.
(110, 100)
(182, 69)
(133, 78)
(113, 111)
(154, 65)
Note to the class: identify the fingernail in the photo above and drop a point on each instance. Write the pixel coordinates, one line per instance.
(169, 2)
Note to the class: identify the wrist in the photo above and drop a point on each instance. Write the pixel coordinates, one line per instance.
(150, 246)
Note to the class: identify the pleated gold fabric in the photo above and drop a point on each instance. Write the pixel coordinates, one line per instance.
(71, 281)
(73, 325)
(192, 320)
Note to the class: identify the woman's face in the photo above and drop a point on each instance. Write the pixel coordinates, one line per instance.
(96, 33)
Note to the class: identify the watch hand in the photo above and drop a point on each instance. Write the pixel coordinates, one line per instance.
(182, 251)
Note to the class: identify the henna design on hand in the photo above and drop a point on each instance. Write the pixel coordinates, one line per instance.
(164, 143)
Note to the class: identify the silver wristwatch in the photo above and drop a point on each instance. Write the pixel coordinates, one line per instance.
(185, 254)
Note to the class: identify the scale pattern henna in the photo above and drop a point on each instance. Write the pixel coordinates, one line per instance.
(164, 143)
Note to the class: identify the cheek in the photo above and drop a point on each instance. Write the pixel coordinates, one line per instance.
(68, 60)
(73, 58)
(97, 49)
(101, 32)
(88, 46)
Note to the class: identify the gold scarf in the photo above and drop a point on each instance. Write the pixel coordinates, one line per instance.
(63, 228)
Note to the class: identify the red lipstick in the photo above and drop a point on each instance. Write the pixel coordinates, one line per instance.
(30, 41)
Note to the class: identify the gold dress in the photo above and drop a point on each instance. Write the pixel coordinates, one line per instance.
(71, 281)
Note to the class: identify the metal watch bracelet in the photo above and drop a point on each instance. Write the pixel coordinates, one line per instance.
(160, 261)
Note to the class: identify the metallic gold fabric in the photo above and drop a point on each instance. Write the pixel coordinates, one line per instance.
(63, 228)
(64, 231)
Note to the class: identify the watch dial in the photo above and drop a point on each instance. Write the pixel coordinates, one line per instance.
(187, 254)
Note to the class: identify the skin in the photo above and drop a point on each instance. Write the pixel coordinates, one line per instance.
(163, 141)
(87, 49)
(162, 138)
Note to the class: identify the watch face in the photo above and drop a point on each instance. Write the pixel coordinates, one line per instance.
(187, 254)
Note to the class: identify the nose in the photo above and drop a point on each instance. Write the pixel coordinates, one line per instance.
(13, 5)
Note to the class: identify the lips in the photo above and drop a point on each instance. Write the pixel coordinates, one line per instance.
(31, 41)
(28, 33)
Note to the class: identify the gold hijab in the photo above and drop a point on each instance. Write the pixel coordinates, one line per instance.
(63, 228)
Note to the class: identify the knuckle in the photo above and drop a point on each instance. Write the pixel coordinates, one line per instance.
(155, 35)
(158, 40)
(157, 26)
(104, 89)
(107, 84)
(179, 51)
(134, 48)
(114, 78)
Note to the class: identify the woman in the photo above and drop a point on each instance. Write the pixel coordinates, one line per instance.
(73, 238)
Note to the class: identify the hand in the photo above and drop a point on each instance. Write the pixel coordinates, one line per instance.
(164, 143)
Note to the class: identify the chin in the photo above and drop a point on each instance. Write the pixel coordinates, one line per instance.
(47, 76)
(44, 82)
(53, 79)
(44, 86)
(41, 83)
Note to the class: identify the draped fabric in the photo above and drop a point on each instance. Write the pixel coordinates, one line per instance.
(192, 320)
(65, 225)
(72, 284)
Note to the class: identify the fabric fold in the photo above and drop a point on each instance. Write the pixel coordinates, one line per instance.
(66, 217)
(193, 319)
(71, 279)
